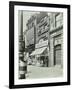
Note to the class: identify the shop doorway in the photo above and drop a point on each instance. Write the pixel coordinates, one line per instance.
(57, 55)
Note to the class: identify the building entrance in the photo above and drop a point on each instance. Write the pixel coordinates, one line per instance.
(57, 55)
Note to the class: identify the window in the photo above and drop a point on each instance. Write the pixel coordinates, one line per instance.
(59, 20)
(45, 38)
(39, 33)
(52, 21)
(32, 24)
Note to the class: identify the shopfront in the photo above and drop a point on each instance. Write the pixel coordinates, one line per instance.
(58, 50)
(41, 54)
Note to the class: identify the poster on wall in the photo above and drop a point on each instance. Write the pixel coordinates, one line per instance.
(39, 44)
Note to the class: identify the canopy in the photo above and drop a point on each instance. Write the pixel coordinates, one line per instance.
(38, 51)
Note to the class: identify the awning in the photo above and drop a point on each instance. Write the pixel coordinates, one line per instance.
(38, 51)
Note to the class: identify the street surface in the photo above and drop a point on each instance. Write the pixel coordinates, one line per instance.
(43, 72)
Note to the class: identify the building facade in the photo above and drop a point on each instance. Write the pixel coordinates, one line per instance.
(41, 56)
(56, 39)
(37, 29)
(43, 26)
(45, 30)
(30, 38)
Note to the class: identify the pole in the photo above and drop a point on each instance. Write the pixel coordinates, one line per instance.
(21, 49)
(34, 35)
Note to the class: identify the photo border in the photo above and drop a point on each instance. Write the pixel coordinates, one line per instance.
(11, 44)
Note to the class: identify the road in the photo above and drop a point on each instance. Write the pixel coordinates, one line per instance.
(43, 72)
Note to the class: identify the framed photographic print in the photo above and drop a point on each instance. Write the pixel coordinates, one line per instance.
(39, 44)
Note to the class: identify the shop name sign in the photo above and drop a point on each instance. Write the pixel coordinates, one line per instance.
(41, 44)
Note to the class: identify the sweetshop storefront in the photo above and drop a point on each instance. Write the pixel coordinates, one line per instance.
(40, 55)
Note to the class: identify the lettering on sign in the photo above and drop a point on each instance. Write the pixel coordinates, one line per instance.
(42, 44)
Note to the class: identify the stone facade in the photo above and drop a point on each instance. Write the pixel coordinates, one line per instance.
(56, 39)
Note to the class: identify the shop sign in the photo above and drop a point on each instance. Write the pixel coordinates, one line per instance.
(41, 44)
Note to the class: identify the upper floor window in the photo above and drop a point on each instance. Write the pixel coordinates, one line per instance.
(30, 25)
(52, 21)
(39, 33)
(42, 20)
(59, 19)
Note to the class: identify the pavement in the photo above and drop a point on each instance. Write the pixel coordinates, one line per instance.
(43, 72)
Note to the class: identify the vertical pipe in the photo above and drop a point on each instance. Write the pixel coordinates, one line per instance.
(34, 35)
(48, 41)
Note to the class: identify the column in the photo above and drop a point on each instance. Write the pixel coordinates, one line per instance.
(62, 50)
(51, 53)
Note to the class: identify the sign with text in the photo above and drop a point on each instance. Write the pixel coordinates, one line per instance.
(42, 44)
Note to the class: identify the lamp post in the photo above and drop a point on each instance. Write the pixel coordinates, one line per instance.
(22, 64)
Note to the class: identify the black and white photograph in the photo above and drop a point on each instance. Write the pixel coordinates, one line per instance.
(40, 40)
(40, 44)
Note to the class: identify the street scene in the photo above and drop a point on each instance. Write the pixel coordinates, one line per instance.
(40, 44)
